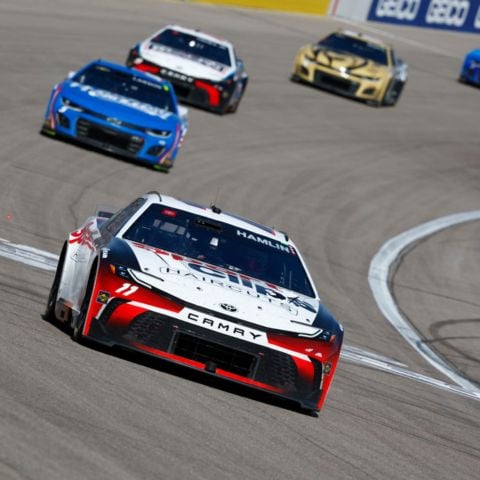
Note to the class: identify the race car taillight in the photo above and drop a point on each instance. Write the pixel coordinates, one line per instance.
(145, 67)
(212, 91)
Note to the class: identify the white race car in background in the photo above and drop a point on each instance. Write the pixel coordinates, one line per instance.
(205, 71)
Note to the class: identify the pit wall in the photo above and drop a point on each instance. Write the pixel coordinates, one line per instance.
(458, 15)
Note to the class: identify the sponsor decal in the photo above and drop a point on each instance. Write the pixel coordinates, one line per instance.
(164, 72)
(223, 326)
(82, 237)
(228, 307)
(263, 241)
(103, 297)
(463, 15)
(121, 100)
(233, 281)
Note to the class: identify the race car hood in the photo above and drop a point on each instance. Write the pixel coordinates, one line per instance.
(109, 104)
(189, 65)
(222, 291)
(348, 63)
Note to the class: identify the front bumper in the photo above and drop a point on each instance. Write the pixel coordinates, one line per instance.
(124, 141)
(149, 321)
(335, 81)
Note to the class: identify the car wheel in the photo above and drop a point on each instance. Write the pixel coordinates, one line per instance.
(49, 314)
(294, 78)
(77, 326)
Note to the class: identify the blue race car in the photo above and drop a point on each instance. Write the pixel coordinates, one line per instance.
(471, 68)
(120, 110)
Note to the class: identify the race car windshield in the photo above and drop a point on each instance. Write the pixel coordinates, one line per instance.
(127, 85)
(356, 46)
(223, 245)
(194, 46)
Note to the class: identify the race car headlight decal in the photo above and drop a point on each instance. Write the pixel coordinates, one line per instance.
(321, 334)
(120, 271)
(158, 133)
(306, 62)
(128, 274)
(72, 105)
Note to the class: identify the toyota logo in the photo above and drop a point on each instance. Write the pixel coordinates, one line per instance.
(228, 307)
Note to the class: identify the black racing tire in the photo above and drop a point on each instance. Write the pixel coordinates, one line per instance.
(49, 314)
(77, 327)
(294, 78)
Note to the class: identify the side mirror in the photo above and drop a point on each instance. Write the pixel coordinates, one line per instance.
(71, 74)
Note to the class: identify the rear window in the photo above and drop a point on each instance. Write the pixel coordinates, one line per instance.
(194, 46)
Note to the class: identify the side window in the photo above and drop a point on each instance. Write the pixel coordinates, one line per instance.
(114, 224)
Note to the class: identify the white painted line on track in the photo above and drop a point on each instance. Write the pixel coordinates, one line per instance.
(381, 268)
(48, 261)
(28, 255)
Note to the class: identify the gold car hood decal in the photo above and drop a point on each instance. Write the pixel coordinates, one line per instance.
(346, 62)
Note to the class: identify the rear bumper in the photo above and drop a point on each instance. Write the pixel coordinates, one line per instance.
(214, 96)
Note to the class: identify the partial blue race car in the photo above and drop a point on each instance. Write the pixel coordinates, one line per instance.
(471, 68)
(120, 110)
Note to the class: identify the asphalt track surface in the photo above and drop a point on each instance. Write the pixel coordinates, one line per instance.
(341, 177)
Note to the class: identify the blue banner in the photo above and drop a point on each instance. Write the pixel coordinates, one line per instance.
(460, 15)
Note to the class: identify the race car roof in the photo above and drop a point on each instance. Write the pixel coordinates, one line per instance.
(367, 38)
(216, 214)
(197, 33)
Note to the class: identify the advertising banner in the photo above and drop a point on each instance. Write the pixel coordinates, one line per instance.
(319, 7)
(460, 15)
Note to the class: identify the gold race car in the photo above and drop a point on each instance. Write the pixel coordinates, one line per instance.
(353, 65)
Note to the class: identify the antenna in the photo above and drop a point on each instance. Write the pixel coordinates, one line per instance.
(213, 206)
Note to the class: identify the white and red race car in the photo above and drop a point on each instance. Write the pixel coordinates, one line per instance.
(204, 70)
(201, 288)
